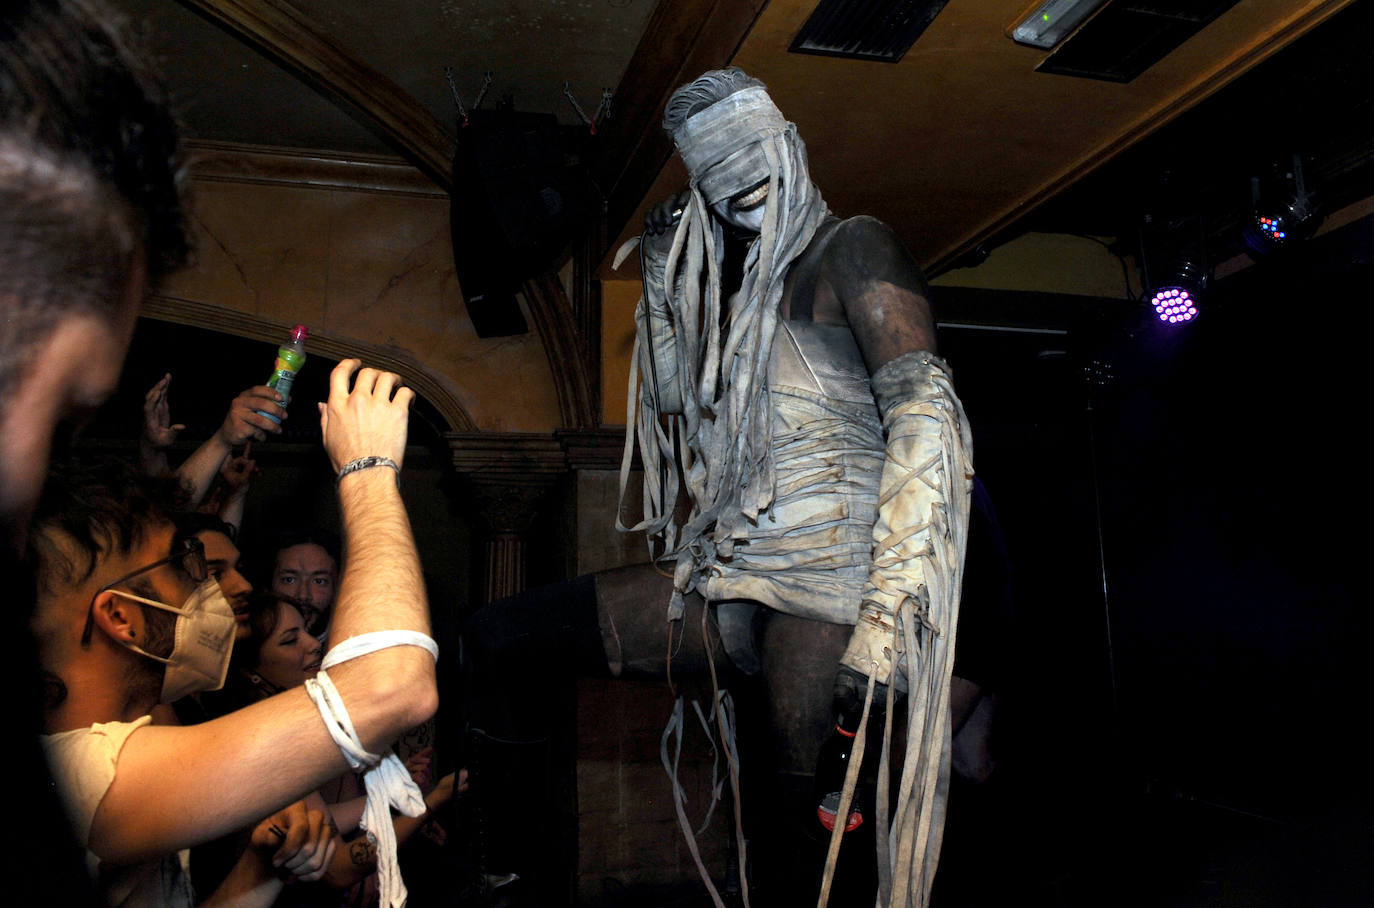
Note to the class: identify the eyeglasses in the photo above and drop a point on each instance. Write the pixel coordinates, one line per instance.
(188, 555)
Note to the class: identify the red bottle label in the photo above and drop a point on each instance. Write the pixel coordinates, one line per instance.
(829, 806)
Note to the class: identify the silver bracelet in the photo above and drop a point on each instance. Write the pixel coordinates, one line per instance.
(363, 463)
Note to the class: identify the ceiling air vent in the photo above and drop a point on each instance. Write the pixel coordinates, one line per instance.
(881, 30)
(1127, 37)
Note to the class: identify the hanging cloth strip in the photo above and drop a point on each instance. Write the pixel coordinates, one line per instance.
(722, 436)
(386, 779)
(905, 636)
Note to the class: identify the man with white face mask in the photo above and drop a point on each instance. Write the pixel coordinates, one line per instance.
(92, 213)
(127, 615)
(155, 632)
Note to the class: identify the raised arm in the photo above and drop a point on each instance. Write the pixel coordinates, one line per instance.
(178, 786)
(243, 423)
(158, 430)
(237, 473)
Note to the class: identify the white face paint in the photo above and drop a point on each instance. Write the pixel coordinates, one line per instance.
(745, 210)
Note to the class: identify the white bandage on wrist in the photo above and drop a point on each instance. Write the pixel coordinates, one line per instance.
(387, 781)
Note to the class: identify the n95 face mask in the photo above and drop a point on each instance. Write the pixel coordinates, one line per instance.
(202, 643)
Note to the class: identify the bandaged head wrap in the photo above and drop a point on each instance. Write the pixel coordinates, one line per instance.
(722, 145)
(729, 146)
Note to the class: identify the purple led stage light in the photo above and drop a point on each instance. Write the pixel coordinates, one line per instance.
(1174, 305)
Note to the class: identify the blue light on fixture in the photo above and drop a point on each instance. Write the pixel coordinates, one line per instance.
(1283, 212)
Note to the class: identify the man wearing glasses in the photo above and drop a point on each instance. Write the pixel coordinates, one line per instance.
(91, 214)
(127, 616)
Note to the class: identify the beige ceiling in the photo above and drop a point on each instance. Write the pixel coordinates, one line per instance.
(952, 145)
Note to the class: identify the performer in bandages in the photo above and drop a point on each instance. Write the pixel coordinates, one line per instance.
(824, 453)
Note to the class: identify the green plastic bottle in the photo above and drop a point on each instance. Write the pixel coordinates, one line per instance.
(290, 359)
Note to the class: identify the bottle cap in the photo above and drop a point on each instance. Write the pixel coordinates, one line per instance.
(298, 333)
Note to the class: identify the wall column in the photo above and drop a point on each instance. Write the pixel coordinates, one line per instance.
(509, 474)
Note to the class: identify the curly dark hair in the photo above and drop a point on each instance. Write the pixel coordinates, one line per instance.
(189, 523)
(105, 507)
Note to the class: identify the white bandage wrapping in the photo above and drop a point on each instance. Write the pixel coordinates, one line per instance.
(923, 502)
(387, 781)
(906, 630)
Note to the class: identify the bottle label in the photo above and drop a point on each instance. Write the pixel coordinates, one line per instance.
(282, 379)
(830, 805)
(283, 376)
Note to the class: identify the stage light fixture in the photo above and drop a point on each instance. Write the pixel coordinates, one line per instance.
(1283, 211)
(1175, 298)
(1174, 263)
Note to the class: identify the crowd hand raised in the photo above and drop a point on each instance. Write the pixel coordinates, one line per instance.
(420, 765)
(444, 788)
(158, 430)
(367, 414)
(243, 422)
(238, 471)
(302, 840)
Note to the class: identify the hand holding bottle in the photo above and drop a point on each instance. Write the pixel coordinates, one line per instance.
(251, 416)
(290, 360)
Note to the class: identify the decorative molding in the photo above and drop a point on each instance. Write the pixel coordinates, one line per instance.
(594, 449)
(556, 326)
(533, 457)
(234, 162)
(243, 324)
(284, 33)
(512, 455)
(505, 567)
(509, 474)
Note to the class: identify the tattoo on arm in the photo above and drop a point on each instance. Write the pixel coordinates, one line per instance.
(361, 851)
(416, 739)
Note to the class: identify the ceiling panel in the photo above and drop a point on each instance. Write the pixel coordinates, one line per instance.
(229, 92)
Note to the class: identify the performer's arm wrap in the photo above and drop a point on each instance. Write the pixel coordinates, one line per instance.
(657, 333)
(919, 538)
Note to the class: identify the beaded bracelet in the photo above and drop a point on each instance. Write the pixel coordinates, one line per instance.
(363, 463)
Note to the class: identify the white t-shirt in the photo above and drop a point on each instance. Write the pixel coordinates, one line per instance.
(83, 766)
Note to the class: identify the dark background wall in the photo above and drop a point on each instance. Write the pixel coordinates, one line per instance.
(1184, 515)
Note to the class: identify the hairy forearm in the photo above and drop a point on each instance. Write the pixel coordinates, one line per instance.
(198, 471)
(231, 512)
(152, 460)
(382, 589)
